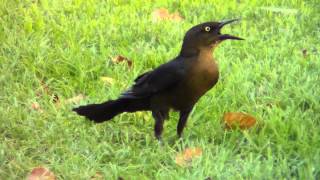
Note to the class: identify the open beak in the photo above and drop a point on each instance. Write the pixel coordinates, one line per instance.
(228, 36)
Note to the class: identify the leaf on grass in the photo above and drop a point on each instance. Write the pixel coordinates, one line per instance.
(176, 17)
(185, 158)
(75, 99)
(282, 10)
(47, 91)
(41, 173)
(238, 119)
(107, 79)
(119, 59)
(164, 14)
(304, 53)
(44, 89)
(36, 106)
(97, 176)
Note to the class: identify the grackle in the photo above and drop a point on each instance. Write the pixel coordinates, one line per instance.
(177, 84)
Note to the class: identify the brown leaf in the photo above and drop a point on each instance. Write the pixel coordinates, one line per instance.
(305, 53)
(185, 158)
(75, 99)
(97, 176)
(46, 90)
(107, 79)
(176, 17)
(41, 173)
(119, 59)
(164, 14)
(36, 106)
(238, 119)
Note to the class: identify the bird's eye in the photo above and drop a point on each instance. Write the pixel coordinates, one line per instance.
(207, 28)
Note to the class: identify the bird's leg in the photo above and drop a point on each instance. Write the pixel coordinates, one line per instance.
(183, 120)
(159, 116)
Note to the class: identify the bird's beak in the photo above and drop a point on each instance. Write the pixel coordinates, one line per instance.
(228, 36)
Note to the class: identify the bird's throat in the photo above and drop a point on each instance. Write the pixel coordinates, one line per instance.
(188, 51)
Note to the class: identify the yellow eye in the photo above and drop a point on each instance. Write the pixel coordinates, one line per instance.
(207, 28)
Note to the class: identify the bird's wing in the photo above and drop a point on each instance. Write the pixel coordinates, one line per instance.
(160, 79)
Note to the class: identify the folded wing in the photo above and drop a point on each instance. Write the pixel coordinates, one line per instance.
(163, 78)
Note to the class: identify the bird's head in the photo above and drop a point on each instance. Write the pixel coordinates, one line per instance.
(206, 35)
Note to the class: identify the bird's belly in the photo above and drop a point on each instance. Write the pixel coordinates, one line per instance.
(188, 92)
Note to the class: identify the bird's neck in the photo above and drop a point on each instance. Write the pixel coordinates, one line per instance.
(189, 51)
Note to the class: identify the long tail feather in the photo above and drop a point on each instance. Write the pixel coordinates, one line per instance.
(107, 110)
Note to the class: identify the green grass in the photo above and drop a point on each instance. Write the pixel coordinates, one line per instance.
(69, 45)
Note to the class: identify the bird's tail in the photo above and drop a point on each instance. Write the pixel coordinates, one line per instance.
(107, 110)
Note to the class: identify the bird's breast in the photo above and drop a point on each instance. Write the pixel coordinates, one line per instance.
(200, 79)
(203, 77)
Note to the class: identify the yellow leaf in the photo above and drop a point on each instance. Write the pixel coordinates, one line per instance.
(75, 99)
(107, 79)
(164, 14)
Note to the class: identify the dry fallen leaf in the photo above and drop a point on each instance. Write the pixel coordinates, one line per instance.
(41, 173)
(97, 176)
(75, 99)
(176, 17)
(164, 14)
(185, 158)
(238, 119)
(120, 59)
(305, 53)
(46, 90)
(107, 79)
(36, 106)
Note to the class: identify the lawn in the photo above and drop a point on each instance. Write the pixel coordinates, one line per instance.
(54, 50)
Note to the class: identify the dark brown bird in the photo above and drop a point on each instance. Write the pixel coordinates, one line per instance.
(177, 84)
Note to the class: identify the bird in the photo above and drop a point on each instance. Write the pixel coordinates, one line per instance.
(176, 85)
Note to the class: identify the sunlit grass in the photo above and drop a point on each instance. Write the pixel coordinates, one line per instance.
(68, 45)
